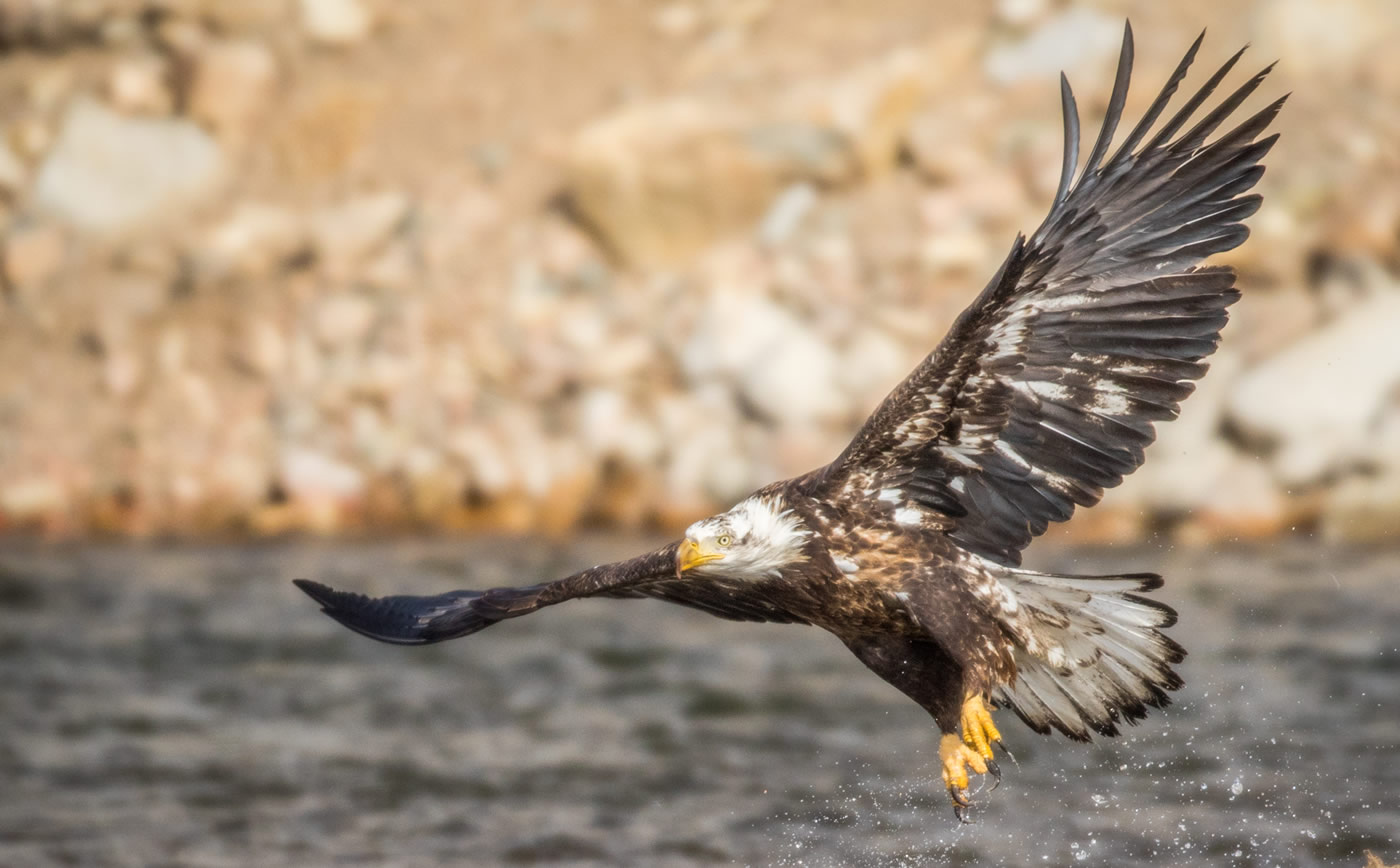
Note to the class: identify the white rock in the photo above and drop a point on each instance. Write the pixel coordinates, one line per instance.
(1329, 40)
(1320, 400)
(108, 172)
(611, 427)
(1020, 13)
(786, 214)
(336, 22)
(33, 497)
(138, 86)
(344, 319)
(774, 359)
(348, 233)
(312, 475)
(872, 363)
(676, 20)
(254, 241)
(1077, 38)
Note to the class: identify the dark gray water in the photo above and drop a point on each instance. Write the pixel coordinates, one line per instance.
(187, 706)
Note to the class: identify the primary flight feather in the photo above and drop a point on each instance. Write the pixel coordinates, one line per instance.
(1041, 396)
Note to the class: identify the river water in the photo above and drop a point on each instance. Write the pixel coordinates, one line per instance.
(188, 706)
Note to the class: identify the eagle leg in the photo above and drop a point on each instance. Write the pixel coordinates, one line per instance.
(978, 730)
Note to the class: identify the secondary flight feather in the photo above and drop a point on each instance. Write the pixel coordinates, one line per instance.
(1042, 395)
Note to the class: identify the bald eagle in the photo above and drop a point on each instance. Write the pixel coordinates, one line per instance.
(1041, 396)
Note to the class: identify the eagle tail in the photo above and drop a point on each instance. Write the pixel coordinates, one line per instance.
(1090, 652)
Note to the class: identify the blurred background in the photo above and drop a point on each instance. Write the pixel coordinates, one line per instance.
(347, 265)
(413, 296)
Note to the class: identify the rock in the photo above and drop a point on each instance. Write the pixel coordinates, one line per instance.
(611, 427)
(786, 214)
(658, 182)
(33, 256)
(140, 86)
(705, 463)
(1185, 465)
(1245, 503)
(336, 22)
(1318, 401)
(1076, 38)
(1329, 41)
(871, 106)
(255, 241)
(108, 172)
(231, 86)
(31, 138)
(676, 20)
(1020, 13)
(344, 319)
(121, 372)
(13, 172)
(308, 474)
(264, 349)
(774, 360)
(347, 234)
(31, 499)
(872, 363)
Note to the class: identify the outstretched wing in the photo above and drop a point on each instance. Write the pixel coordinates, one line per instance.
(406, 620)
(733, 600)
(1044, 392)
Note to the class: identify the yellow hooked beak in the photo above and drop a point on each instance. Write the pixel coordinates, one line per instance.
(691, 556)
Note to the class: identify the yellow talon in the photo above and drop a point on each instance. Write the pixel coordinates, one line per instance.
(956, 758)
(978, 731)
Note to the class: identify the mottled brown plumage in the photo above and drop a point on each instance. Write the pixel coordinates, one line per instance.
(1041, 396)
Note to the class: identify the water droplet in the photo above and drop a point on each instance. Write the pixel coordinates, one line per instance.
(1236, 788)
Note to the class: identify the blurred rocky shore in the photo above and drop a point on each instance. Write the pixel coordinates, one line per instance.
(345, 265)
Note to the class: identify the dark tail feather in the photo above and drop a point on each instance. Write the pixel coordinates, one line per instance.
(406, 620)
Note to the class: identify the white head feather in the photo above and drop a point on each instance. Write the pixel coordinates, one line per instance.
(763, 537)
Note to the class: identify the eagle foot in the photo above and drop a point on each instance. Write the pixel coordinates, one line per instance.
(978, 731)
(956, 758)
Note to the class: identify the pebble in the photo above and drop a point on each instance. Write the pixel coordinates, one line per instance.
(108, 172)
(232, 86)
(346, 234)
(33, 256)
(255, 241)
(140, 86)
(13, 173)
(344, 319)
(336, 22)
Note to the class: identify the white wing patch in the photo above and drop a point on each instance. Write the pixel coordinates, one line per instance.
(909, 516)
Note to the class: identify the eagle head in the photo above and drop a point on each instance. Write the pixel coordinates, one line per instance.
(755, 540)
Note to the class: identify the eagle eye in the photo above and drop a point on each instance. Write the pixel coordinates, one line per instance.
(724, 540)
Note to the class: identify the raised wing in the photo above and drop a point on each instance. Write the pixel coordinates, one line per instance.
(407, 620)
(1044, 392)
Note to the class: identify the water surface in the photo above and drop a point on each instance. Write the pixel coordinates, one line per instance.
(187, 706)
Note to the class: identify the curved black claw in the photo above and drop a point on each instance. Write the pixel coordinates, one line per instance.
(995, 771)
(960, 803)
(960, 811)
(1004, 749)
